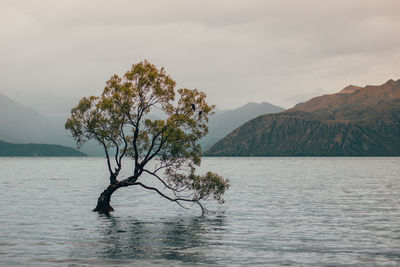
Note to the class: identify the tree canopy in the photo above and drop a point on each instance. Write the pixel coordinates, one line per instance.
(121, 122)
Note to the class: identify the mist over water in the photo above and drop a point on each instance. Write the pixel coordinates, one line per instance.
(278, 211)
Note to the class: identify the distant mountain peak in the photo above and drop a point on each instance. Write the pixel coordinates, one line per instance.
(357, 121)
(391, 81)
(252, 104)
(354, 97)
(224, 121)
(350, 89)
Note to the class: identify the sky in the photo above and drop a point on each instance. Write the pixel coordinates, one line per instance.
(282, 51)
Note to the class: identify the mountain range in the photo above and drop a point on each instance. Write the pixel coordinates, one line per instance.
(21, 124)
(357, 121)
(43, 122)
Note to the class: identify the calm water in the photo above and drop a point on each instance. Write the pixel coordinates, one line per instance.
(278, 211)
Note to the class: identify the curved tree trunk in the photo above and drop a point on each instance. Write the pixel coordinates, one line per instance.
(103, 202)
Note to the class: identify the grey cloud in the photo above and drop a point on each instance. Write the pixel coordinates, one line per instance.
(236, 51)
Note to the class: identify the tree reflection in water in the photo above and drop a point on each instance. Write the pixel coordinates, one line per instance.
(180, 239)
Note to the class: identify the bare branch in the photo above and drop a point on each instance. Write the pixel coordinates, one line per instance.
(107, 155)
(144, 162)
(156, 169)
(203, 209)
(165, 196)
(130, 120)
(136, 156)
(159, 178)
(116, 152)
(153, 141)
(125, 144)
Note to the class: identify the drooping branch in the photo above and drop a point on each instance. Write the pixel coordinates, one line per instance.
(165, 196)
(164, 166)
(197, 201)
(162, 181)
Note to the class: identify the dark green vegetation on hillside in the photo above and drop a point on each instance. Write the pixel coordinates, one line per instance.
(37, 150)
(354, 122)
(224, 121)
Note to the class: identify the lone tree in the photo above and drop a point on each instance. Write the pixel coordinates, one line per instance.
(119, 120)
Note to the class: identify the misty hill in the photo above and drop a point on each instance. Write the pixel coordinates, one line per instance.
(46, 103)
(224, 121)
(22, 124)
(37, 150)
(354, 122)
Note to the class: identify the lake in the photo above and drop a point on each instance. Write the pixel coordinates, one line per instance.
(278, 211)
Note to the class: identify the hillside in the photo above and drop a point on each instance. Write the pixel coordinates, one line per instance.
(37, 150)
(23, 124)
(224, 121)
(354, 122)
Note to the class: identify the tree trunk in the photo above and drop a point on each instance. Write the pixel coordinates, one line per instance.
(103, 202)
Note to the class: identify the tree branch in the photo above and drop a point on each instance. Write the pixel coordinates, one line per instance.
(161, 180)
(153, 141)
(169, 198)
(176, 200)
(107, 155)
(135, 137)
(130, 120)
(125, 144)
(144, 162)
(116, 152)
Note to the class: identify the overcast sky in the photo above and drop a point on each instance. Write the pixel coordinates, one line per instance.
(279, 51)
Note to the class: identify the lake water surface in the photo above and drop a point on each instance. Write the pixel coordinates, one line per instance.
(278, 211)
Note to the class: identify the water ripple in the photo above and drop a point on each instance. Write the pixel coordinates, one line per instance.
(279, 211)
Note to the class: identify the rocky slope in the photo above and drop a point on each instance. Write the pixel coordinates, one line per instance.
(354, 122)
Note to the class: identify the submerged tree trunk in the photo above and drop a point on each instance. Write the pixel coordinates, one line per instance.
(103, 202)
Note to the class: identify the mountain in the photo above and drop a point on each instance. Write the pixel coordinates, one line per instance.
(22, 124)
(45, 102)
(37, 150)
(19, 123)
(224, 121)
(350, 89)
(357, 121)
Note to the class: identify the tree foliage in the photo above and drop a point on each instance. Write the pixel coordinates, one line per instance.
(119, 120)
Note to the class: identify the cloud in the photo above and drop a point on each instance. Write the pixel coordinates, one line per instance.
(236, 51)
